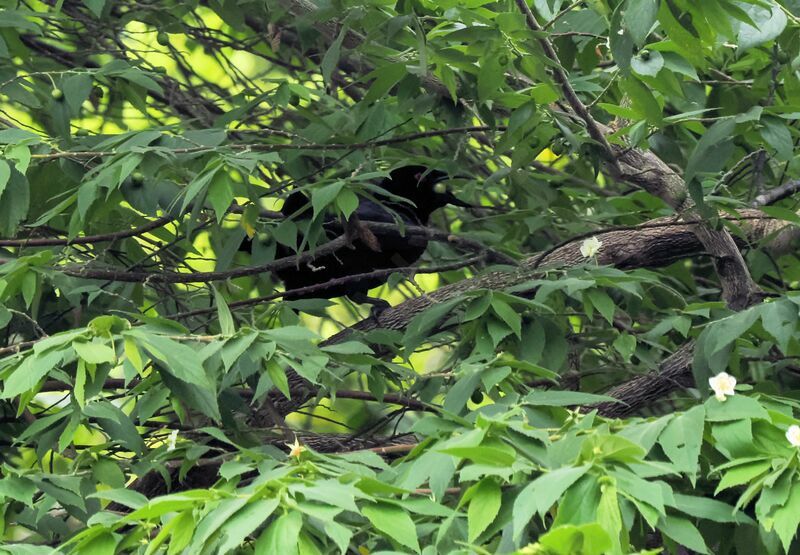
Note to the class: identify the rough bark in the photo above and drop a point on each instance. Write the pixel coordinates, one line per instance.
(674, 373)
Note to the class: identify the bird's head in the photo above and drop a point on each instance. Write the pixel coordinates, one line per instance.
(424, 187)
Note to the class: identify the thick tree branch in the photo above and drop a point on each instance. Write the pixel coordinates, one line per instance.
(674, 372)
(656, 243)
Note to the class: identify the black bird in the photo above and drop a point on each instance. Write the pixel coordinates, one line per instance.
(418, 198)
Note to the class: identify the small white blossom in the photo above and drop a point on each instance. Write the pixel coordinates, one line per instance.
(172, 440)
(591, 247)
(793, 435)
(722, 384)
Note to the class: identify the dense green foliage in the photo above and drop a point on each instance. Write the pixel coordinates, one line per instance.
(158, 396)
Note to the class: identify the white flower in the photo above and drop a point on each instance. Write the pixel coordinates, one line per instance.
(591, 247)
(295, 448)
(793, 435)
(722, 384)
(172, 440)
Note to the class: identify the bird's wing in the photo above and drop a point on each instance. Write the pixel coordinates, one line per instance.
(295, 204)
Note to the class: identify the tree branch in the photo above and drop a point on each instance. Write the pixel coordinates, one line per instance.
(87, 239)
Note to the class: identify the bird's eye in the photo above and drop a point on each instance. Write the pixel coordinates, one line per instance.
(418, 176)
(440, 188)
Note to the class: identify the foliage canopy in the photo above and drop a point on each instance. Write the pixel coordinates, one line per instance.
(541, 384)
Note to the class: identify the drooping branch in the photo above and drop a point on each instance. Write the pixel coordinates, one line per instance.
(113, 274)
(273, 147)
(87, 239)
(310, 290)
(414, 233)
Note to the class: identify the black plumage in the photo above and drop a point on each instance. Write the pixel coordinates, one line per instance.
(367, 252)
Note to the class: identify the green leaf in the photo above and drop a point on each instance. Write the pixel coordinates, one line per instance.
(340, 535)
(541, 494)
(777, 135)
(128, 497)
(226, 325)
(490, 452)
(331, 58)
(639, 17)
(552, 398)
(719, 133)
(490, 76)
(625, 345)
(198, 185)
(687, 44)
(282, 535)
(76, 90)
(737, 407)
(510, 316)
(14, 201)
(648, 64)
(322, 197)
(642, 98)
(742, 474)
(178, 359)
(222, 515)
(483, 507)
(610, 517)
(682, 438)
(220, 194)
(385, 78)
(422, 324)
(779, 320)
(5, 175)
(116, 424)
(620, 41)
(93, 352)
(711, 509)
(683, 532)
(95, 6)
(19, 488)
(139, 77)
(28, 374)
(347, 202)
(770, 21)
(568, 539)
(392, 521)
(279, 379)
(786, 519)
